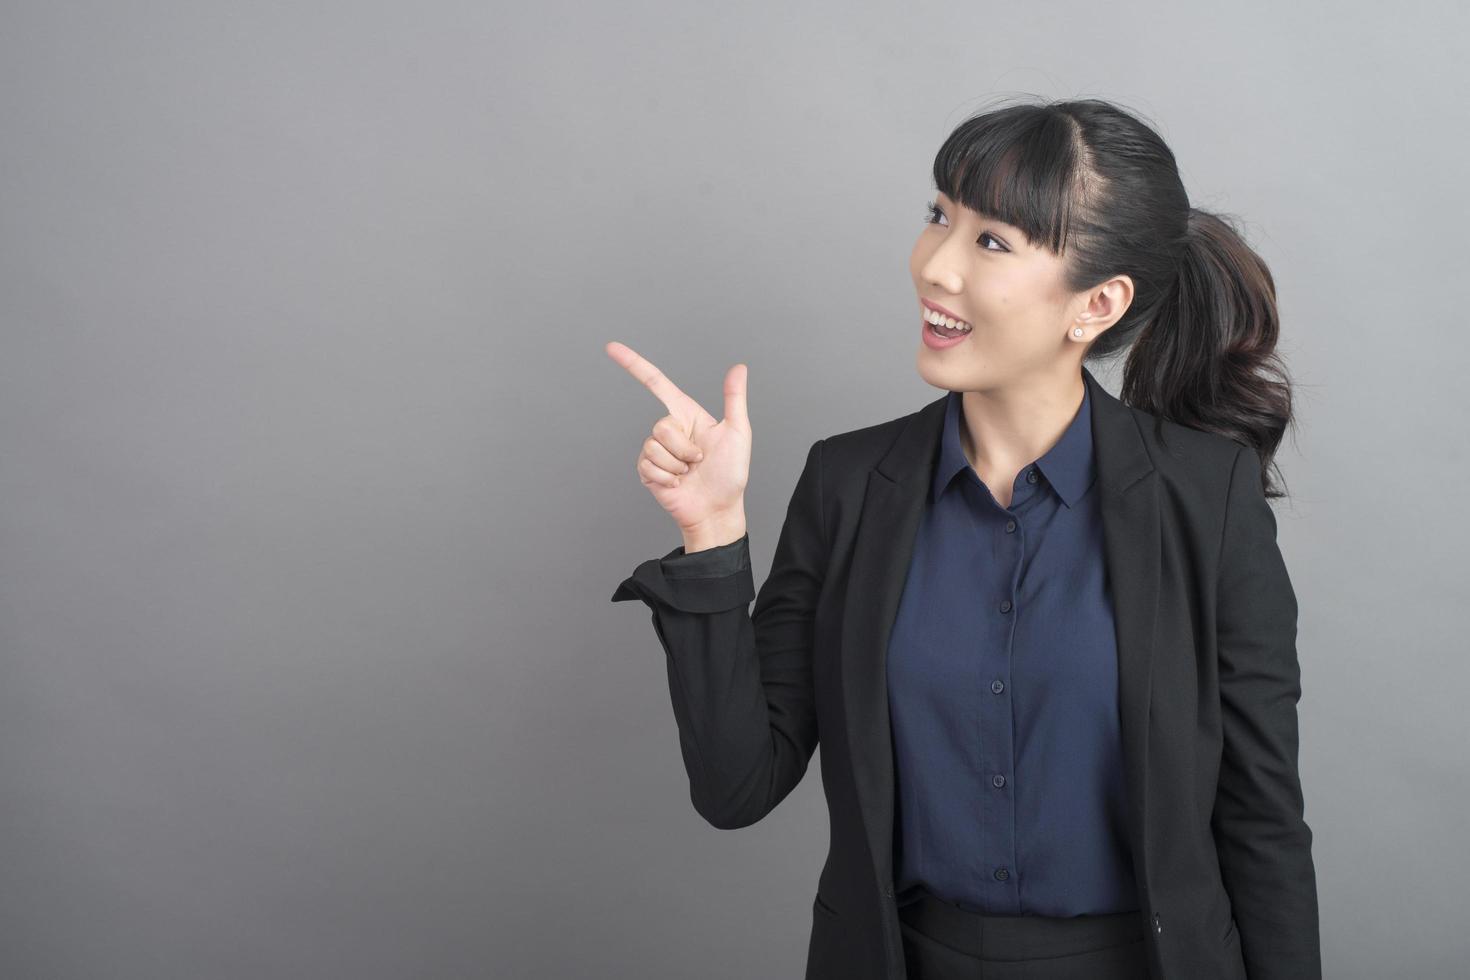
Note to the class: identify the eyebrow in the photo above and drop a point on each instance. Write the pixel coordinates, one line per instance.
(1012, 232)
(984, 214)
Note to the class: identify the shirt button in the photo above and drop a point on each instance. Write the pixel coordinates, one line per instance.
(888, 891)
(1005, 606)
(1158, 926)
(997, 780)
(1001, 874)
(1010, 526)
(997, 686)
(1031, 476)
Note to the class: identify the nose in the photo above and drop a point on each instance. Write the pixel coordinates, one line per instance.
(941, 268)
(938, 272)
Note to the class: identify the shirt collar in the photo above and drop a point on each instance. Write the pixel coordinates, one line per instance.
(1067, 466)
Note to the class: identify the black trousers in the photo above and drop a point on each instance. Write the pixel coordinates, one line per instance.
(942, 941)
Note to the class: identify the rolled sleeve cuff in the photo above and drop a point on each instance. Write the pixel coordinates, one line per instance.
(707, 581)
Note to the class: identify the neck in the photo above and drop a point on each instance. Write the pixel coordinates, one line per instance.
(1002, 430)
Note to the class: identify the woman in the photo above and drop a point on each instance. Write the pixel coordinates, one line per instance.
(1045, 636)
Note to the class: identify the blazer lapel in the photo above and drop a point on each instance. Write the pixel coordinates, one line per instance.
(893, 507)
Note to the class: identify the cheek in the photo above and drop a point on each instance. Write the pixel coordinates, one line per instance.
(1011, 302)
(993, 305)
(1008, 319)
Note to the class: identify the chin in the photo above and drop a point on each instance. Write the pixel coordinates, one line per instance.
(950, 377)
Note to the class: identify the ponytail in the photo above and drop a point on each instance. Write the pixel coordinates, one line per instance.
(1206, 357)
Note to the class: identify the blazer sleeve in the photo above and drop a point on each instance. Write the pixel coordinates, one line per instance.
(1263, 841)
(741, 682)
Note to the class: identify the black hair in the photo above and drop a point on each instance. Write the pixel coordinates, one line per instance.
(1097, 186)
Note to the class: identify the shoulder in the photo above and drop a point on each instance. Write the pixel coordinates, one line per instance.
(861, 448)
(1195, 468)
(1193, 465)
(1183, 450)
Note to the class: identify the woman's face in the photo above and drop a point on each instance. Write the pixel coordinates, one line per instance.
(985, 273)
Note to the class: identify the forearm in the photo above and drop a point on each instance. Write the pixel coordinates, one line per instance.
(741, 682)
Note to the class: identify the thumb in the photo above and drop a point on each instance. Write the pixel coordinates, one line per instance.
(735, 397)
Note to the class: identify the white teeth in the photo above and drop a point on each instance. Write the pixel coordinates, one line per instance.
(939, 318)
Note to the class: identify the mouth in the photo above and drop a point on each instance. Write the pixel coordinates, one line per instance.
(927, 306)
(943, 326)
(939, 338)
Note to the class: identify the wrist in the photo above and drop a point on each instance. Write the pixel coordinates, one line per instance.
(716, 531)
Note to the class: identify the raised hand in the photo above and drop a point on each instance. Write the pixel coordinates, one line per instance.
(696, 466)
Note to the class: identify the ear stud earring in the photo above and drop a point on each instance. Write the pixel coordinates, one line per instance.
(1077, 332)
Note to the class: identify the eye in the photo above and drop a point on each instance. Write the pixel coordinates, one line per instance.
(933, 213)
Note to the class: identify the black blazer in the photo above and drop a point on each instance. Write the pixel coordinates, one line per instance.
(1208, 686)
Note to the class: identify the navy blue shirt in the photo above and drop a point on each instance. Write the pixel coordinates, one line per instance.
(1003, 693)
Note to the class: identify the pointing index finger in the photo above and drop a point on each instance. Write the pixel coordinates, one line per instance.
(654, 380)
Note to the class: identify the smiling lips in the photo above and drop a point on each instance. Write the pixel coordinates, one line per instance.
(940, 319)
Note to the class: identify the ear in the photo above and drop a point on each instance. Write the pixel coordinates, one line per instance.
(1104, 305)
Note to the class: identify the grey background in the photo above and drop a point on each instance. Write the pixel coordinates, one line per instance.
(316, 479)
